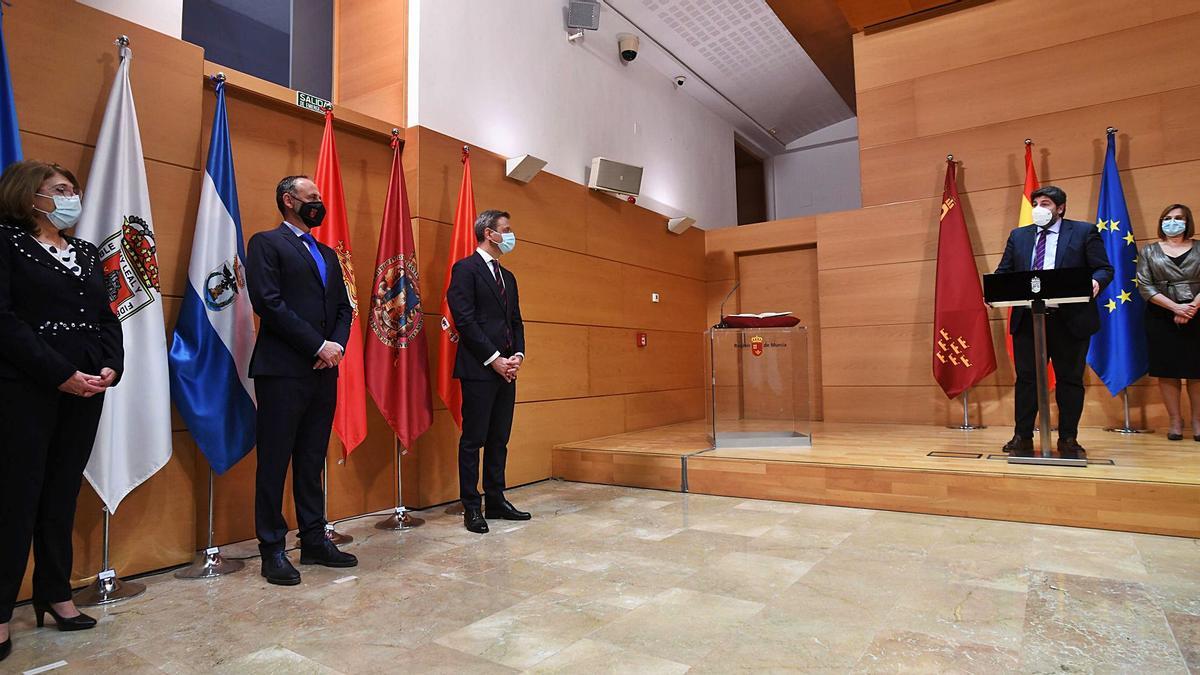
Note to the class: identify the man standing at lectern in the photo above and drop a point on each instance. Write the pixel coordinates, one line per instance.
(487, 313)
(1053, 242)
(296, 288)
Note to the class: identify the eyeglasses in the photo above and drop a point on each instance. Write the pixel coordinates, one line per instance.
(61, 190)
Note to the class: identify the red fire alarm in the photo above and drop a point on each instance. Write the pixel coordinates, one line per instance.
(641, 339)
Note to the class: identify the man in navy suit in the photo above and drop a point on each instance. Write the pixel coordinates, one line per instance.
(486, 308)
(297, 290)
(1054, 243)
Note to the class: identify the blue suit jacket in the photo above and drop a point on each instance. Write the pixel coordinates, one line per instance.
(1079, 245)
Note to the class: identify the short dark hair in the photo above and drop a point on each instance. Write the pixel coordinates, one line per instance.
(1188, 231)
(286, 185)
(18, 184)
(487, 221)
(1055, 194)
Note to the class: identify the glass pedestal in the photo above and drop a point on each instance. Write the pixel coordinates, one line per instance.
(758, 394)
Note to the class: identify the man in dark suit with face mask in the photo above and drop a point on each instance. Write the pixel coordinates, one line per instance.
(486, 308)
(296, 288)
(1054, 243)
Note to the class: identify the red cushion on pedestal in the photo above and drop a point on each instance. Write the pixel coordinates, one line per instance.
(756, 322)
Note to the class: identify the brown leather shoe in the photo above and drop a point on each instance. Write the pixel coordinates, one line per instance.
(1071, 449)
(1017, 445)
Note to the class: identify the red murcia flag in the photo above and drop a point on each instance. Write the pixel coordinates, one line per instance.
(462, 244)
(962, 337)
(350, 415)
(397, 360)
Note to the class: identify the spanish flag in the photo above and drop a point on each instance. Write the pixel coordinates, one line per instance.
(1026, 218)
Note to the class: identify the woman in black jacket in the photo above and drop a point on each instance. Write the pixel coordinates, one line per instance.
(60, 349)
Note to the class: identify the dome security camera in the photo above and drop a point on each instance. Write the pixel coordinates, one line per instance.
(628, 45)
(680, 80)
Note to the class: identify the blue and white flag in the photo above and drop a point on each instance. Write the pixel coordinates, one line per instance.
(10, 134)
(1118, 351)
(210, 351)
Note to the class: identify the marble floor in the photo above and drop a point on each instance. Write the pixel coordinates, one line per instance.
(609, 579)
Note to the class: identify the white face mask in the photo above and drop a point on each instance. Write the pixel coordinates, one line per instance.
(1173, 227)
(1042, 216)
(66, 211)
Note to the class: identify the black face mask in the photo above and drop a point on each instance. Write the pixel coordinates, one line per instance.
(312, 213)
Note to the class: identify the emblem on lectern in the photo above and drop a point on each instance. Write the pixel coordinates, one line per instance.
(1035, 285)
(756, 345)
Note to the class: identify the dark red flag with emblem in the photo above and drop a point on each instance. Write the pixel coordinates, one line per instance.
(397, 360)
(962, 336)
(350, 415)
(462, 244)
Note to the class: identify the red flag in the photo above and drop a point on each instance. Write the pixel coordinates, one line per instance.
(350, 417)
(397, 361)
(462, 244)
(1026, 218)
(962, 337)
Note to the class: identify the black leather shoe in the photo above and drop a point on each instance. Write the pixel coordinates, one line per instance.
(81, 622)
(1017, 445)
(474, 522)
(502, 509)
(279, 570)
(5, 649)
(326, 554)
(1174, 437)
(1071, 449)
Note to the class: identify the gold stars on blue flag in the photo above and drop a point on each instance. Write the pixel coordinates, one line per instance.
(1118, 351)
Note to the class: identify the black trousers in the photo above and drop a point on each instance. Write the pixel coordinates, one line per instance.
(1068, 353)
(48, 437)
(295, 416)
(487, 422)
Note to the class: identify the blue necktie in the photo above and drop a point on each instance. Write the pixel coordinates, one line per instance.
(316, 254)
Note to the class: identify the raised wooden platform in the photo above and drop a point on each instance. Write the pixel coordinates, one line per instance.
(1135, 483)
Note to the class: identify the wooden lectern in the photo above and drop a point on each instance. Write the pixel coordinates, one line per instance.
(1037, 290)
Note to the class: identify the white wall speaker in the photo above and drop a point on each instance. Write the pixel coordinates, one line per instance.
(610, 176)
(523, 168)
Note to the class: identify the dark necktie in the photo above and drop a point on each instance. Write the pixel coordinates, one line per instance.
(508, 346)
(1039, 252)
(316, 254)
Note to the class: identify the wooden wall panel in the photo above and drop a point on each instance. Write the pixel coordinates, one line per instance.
(1160, 128)
(62, 60)
(787, 281)
(722, 246)
(680, 306)
(670, 360)
(1000, 90)
(618, 230)
(658, 408)
(993, 31)
(370, 57)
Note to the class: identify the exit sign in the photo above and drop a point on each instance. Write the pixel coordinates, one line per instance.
(310, 102)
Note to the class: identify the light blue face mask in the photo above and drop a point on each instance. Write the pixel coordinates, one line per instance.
(1173, 227)
(508, 241)
(66, 210)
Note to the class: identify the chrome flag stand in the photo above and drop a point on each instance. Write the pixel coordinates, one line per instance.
(401, 519)
(1128, 428)
(966, 420)
(330, 533)
(107, 588)
(209, 563)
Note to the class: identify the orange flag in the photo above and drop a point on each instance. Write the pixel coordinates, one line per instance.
(462, 244)
(1026, 218)
(350, 417)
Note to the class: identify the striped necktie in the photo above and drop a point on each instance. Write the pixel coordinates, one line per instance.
(1039, 252)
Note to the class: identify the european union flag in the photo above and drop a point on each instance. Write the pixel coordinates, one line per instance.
(1118, 351)
(10, 134)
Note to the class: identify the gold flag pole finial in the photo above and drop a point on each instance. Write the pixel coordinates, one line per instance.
(1110, 131)
(1028, 141)
(949, 158)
